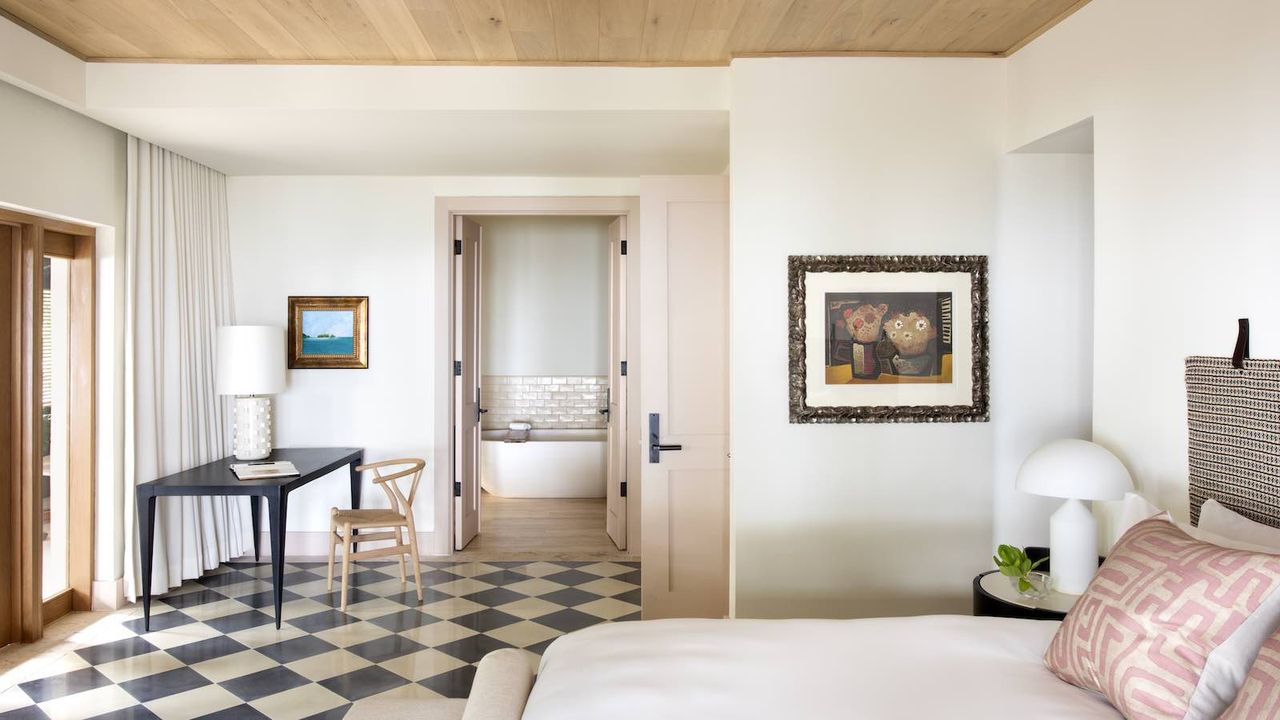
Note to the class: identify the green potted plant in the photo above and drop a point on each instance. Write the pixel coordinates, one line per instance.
(1014, 564)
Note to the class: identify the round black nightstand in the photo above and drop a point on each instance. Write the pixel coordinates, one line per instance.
(994, 596)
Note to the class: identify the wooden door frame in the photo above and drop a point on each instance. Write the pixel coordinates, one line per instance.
(446, 209)
(40, 236)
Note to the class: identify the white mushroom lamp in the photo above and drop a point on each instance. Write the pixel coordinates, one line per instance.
(1076, 470)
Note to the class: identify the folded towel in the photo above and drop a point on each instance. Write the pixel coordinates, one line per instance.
(520, 425)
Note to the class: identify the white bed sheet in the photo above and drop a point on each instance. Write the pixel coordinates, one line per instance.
(886, 668)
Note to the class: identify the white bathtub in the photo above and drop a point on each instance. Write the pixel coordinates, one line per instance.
(552, 464)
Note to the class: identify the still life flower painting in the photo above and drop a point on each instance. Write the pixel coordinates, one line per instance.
(897, 338)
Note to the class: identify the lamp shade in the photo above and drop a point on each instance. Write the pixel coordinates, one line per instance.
(1074, 469)
(250, 360)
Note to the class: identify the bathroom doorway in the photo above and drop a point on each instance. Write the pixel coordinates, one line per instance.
(540, 383)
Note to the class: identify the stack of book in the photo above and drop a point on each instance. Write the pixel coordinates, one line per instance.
(263, 470)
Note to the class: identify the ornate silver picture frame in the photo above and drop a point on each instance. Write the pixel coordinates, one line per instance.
(888, 338)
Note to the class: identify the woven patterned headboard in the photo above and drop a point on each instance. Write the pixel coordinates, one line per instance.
(1234, 444)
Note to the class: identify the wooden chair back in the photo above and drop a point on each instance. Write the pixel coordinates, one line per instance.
(401, 501)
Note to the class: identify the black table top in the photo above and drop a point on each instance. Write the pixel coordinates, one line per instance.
(217, 478)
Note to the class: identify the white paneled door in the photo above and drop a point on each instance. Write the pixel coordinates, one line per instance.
(616, 483)
(466, 407)
(684, 351)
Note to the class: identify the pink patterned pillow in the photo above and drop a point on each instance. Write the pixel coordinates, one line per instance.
(1260, 695)
(1170, 625)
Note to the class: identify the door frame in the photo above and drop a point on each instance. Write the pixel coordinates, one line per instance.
(446, 209)
(40, 236)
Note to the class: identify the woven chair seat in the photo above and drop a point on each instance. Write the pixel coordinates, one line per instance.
(368, 518)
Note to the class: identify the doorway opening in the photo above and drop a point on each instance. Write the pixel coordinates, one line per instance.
(674, 446)
(542, 324)
(539, 326)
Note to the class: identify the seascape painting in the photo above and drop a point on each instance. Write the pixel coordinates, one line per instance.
(328, 332)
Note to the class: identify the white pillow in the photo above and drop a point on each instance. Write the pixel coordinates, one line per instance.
(1218, 525)
(1219, 520)
(1133, 510)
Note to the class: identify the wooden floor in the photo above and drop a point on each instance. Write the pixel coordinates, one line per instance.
(542, 529)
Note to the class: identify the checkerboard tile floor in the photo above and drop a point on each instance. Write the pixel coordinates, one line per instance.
(214, 652)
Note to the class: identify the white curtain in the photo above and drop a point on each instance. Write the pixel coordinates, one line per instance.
(178, 293)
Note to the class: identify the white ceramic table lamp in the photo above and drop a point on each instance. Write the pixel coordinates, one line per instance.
(1076, 470)
(251, 366)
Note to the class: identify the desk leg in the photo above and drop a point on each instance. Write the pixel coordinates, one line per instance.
(277, 508)
(355, 489)
(255, 508)
(146, 538)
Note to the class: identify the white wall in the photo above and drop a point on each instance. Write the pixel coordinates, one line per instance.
(34, 64)
(370, 236)
(853, 156)
(1185, 123)
(1041, 326)
(59, 163)
(400, 120)
(545, 282)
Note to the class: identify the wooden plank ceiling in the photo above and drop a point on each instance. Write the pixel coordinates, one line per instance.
(539, 32)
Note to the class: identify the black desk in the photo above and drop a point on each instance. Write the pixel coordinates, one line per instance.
(216, 478)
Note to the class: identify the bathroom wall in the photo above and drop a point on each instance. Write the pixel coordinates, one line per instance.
(546, 401)
(545, 324)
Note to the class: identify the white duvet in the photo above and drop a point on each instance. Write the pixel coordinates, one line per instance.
(925, 667)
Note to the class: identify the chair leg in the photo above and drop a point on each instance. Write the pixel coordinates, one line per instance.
(346, 561)
(333, 549)
(400, 541)
(417, 566)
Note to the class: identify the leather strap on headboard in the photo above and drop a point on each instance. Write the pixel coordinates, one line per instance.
(1233, 419)
(1242, 345)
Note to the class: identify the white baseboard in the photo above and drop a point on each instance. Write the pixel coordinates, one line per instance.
(107, 594)
(314, 544)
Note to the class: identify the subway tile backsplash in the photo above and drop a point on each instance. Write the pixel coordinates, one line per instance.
(545, 401)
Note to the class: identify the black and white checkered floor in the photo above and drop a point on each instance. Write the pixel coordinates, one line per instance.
(214, 651)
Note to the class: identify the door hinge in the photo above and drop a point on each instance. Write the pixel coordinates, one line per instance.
(457, 247)
(624, 368)
(622, 489)
(457, 368)
(457, 488)
(624, 247)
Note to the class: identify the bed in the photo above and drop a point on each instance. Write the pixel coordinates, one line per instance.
(943, 666)
(919, 667)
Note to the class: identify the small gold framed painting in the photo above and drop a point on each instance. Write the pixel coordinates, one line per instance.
(328, 332)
